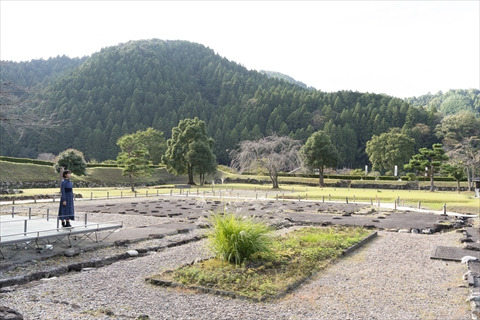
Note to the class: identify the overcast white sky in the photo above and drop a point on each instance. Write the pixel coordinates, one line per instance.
(401, 48)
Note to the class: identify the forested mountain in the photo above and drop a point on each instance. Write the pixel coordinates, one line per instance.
(450, 102)
(284, 77)
(35, 72)
(155, 83)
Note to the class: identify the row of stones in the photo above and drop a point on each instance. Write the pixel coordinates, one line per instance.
(93, 263)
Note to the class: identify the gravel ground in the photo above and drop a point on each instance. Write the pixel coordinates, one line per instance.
(392, 277)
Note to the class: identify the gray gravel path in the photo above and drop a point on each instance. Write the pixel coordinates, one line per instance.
(392, 277)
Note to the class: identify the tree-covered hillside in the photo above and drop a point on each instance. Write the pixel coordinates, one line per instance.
(450, 102)
(284, 77)
(32, 73)
(156, 83)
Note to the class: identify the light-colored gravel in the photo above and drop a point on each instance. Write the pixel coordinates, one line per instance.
(392, 277)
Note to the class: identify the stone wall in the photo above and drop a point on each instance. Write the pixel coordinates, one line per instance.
(8, 185)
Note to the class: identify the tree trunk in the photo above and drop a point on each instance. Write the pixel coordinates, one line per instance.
(432, 187)
(458, 186)
(321, 181)
(274, 182)
(202, 179)
(131, 183)
(469, 180)
(190, 175)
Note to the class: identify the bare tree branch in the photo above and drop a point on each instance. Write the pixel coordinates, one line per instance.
(16, 115)
(467, 153)
(274, 153)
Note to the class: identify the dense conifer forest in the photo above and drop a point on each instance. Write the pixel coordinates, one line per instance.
(156, 83)
(450, 102)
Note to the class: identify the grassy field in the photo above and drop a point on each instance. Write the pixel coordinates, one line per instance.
(11, 171)
(463, 202)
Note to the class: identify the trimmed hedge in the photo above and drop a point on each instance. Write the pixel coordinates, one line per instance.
(354, 177)
(103, 165)
(26, 160)
(100, 165)
(50, 163)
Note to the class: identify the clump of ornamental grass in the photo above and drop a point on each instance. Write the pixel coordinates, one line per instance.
(235, 239)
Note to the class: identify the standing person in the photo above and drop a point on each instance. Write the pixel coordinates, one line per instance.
(66, 211)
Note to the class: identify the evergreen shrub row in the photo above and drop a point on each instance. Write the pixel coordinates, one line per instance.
(26, 160)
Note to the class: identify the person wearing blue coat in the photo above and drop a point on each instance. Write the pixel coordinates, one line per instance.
(66, 212)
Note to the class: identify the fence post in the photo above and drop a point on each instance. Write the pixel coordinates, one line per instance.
(13, 212)
(346, 200)
(29, 213)
(419, 204)
(48, 214)
(445, 209)
(108, 195)
(91, 195)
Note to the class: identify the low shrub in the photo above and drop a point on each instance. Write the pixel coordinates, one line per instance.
(234, 239)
